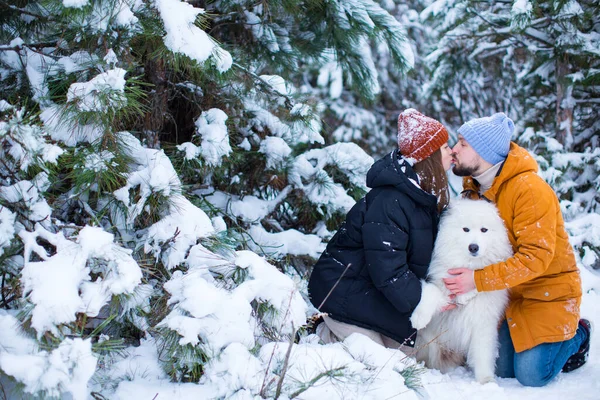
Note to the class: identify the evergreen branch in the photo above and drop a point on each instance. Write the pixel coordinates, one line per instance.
(264, 384)
(287, 355)
(97, 396)
(31, 46)
(309, 384)
(4, 302)
(595, 101)
(103, 325)
(43, 18)
(529, 32)
(289, 103)
(483, 18)
(89, 211)
(286, 362)
(411, 377)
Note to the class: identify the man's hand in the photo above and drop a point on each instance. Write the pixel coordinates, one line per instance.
(463, 280)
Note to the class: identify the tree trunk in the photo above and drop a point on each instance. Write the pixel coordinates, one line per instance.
(158, 102)
(564, 103)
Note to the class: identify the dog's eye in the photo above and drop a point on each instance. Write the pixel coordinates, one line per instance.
(466, 229)
(484, 230)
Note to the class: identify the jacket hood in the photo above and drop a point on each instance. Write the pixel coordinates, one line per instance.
(517, 162)
(393, 170)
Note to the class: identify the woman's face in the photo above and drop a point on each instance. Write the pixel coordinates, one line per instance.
(446, 156)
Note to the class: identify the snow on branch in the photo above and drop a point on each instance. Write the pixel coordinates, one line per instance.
(66, 369)
(184, 37)
(60, 286)
(308, 174)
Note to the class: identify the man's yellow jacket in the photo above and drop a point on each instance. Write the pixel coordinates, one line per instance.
(542, 276)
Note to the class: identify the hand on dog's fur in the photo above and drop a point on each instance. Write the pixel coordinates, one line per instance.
(462, 281)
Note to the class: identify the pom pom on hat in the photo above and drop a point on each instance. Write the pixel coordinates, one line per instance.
(418, 135)
(489, 136)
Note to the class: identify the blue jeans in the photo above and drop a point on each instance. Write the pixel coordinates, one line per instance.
(538, 365)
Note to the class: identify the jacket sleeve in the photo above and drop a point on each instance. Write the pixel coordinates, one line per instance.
(534, 229)
(385, 239)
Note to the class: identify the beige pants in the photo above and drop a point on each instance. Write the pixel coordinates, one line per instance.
(332, 331)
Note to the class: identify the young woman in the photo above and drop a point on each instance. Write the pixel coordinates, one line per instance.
(368, 278)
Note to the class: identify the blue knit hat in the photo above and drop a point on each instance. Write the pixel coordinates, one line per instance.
(489, 136)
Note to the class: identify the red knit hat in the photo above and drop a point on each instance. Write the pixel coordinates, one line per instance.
(419, 136)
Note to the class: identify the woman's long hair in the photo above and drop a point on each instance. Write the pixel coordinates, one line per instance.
(433, 178)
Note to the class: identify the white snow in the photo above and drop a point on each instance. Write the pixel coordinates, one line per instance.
(279, 244)
(276, 150)
(232, 304)
(7, 227)
(186, 38)
(181, 228)
(99, 162)
(249, 208)
(372, 78)
(215, 140)
(220, 318)
(521, 7)
(205, 312)
(29, 193)
(189, 149)
(320, 187)
(25, 143)
(357, 122)
(77, 61)
(60, 286)
(67, 368)
(298, 132)
(33, 64)
(59, 125)
(571, 8)
(104, 91)
(5, 105)
(331, 75)
(75, 3)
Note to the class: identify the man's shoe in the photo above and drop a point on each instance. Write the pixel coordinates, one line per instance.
(579, 358)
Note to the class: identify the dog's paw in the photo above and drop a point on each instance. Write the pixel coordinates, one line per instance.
(486, 379)
(419, 318)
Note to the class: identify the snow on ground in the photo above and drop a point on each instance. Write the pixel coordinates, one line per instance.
(581, 384)
(361, 358)
(370, 372)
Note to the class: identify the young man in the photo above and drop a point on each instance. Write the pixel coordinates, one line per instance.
(542, 333)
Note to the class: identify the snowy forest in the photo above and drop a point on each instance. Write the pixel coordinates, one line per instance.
(170, 171)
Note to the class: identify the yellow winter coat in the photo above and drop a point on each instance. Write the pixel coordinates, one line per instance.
(543, 278)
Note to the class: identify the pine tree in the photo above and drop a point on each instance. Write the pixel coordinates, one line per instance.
(538, 62)
(147, 145)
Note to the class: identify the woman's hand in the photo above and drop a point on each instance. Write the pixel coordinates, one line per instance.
(462, 282)
(451, 303)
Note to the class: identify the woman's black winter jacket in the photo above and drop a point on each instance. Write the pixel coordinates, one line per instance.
(384, 247)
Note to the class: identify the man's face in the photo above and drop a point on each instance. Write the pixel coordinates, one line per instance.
(466, 160)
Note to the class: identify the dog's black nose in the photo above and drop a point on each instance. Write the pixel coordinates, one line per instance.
(473, 248)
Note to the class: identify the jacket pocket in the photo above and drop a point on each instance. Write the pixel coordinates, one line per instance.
(549, 292)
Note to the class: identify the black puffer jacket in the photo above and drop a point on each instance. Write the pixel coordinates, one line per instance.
(387, 239)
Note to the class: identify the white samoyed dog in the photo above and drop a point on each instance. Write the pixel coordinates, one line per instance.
(471, 235)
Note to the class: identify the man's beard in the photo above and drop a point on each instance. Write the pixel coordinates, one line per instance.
(464, 170)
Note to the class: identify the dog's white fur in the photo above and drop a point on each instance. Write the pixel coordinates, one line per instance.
(445, 339)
